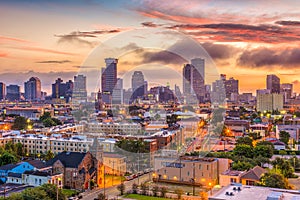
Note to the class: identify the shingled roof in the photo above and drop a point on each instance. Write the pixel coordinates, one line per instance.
(254, 174)
(37, 163)
(68, 159)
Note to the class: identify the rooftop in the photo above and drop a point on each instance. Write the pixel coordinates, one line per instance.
(254, 192)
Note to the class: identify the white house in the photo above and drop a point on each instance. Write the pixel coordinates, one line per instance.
(37, 178)
(14, 178)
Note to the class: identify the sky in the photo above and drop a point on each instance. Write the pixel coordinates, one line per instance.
(243, 39)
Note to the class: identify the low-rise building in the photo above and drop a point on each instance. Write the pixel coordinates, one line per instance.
(115, 128)
(38, 178)
(114, 164)
(252, 176)
(230, 176)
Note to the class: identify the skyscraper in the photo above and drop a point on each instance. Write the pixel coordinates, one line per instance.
(231, 87)
(79, 90)
(273, 83)
(109, 75)
(193, 79)
(62, 90)
(137, 84)
(33, 89)
(2, 91)
(118, 92)
(287, 90)
(13, 92)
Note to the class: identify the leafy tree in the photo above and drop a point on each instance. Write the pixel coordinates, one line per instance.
(264, 151)
(20, 123)
(19, 149)
(46, 115)
(243, 150)
(163, 191)
(244, 140)
(49, 155)
(284, 167)
(51, 191)
(274, 180)
(121, 188)
(260, 160)
(101, 196)
(254, 135)
(155, 190)
(7, 158)
(35, 194)
(241, 166)
(179, 193)
(265, 143)
(134, 188)
(144, 188)
(284, 137)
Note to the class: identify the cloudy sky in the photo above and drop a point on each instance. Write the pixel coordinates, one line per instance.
(245, 39)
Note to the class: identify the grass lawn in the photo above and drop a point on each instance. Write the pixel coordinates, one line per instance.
(69, 192)
(143, 197)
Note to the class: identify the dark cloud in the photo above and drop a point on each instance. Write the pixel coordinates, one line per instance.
(288, 23)
(150, 24)
(263, 57)
(219, 51)
(76, 36)
(54, 61)
(164, 57)
(85, 67)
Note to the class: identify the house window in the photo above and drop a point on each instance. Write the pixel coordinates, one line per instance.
(249, 182)
(232, 180)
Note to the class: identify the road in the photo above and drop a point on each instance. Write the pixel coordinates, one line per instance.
(113, 192)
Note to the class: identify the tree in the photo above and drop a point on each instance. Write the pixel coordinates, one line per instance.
(155, 190)
(134, 188)
(260, 160)
(163, 191)
(121, 188)
(265, 143)
(274, 180)
(284, 137)
(243, 150)
(20, 123)
(144, 188)
(241, 166)
(179, 193)
(7, 158)
(101, 196)
(264, 151)
(35, 194)
(284, 167)
(244, 140)
(49, 155)
(51, 191)
(254, 135)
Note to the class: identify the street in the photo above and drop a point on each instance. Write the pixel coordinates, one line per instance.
(112, 191)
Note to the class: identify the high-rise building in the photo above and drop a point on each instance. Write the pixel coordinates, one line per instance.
(218, 94)
(118, 92)
(273, 83)
(79, 90)
(109, 75)
(231, 87)
(2, 91)
(62, 90)
(269, 102)
(33, 89)
(13, 93)
(287, 90)
(193, 79)
(137, 85)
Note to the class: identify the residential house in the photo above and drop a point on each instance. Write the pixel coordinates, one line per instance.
(230, 176)
(252, 176)
(15, 168)
(38, 178)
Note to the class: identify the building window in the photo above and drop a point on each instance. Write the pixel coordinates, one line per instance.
(232, 180)
(249, 182)
(207, 167)
(200, 166)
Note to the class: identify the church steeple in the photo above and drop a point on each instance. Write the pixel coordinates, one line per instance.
(97, 150)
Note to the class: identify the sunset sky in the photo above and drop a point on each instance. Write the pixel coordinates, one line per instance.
(245, 39)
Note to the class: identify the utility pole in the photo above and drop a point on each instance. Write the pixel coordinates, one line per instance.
(193, 179)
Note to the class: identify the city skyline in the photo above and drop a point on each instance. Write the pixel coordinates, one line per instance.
(242, 44)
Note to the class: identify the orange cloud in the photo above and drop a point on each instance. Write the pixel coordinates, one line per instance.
(4, 38)
(3, 54)
(37, 49)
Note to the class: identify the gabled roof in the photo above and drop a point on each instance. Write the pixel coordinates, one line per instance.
(8, 166)
(15, 175)
(254, 174)
(37, 173)
(37, 163)
(68, 159)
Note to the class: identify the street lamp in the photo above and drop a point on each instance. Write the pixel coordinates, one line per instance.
(58, 181)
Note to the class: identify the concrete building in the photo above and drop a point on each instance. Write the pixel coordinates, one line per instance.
(33, 89)
(238, 192)
(109, 77)
(269, 102)
(231, 88)
(287, 90)
(2, 91)
(13, 93)
(137, 85)
(118, 92)
(61, 90)
(230, 176)
(187, 170)
(32, 113)
(273, 83)
(114, 164)
(115, 128)
(79, 91)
